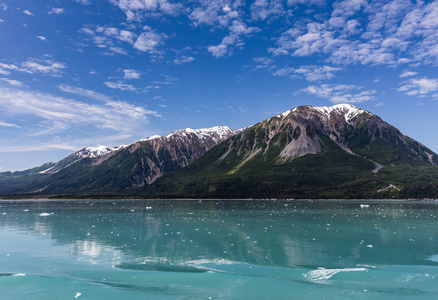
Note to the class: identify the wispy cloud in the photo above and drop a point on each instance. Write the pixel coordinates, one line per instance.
(85, 2)
(407, 74)
(120, 86)
(311, 73)
(28, 12)
(41, 38)
(110, 38)
(56, 11)
(131, 74)
(34, 66)
(420, 87)
(12, 82)
(183, 59)
(358, 32)
(340, 93)
(149, 40)
(262, 10)
(234, 38)
(137, 10)
(4, 124)
(52, 115)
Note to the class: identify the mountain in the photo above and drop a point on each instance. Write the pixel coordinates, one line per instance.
(310, 152)
(88, 152)
(135, 165)
(338, 151)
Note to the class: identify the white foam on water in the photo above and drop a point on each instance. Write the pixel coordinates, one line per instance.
(78, 295)
(44, 214)
(325, 274)
(200, 264)
(211, 261)
(19, 274)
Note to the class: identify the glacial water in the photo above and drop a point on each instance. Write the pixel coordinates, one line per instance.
(218, 250)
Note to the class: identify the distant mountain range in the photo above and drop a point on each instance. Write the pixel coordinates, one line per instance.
(307, 152)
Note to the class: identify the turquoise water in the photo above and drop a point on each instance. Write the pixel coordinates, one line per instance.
(218, 250)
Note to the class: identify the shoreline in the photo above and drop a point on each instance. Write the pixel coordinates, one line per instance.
(222, 200)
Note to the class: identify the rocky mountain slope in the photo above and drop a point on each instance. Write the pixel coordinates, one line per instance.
(135, 165)
(339, 151)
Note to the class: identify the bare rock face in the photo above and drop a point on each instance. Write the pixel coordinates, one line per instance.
(155, 156)
(311, 130)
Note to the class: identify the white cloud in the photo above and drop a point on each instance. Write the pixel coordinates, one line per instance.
(214, 13)
(311, 73)
(28, 12)
(117, 50)
(83, 92)
(4, 124)
(41, 38)
(12, 82)
(149, 40)
(48, 67)
(137, 10)
(234, 38)
(407, 74)
(120, 86)
(56, 11)
(33, 66)
(357, 32)
(420, 87)
(58, 114)
(131, 74)
(85, 2)
(340, 93)
(2, 21)
(263, 62)
(183, 59)
(218, 51)
(110, 38)
(264, 9)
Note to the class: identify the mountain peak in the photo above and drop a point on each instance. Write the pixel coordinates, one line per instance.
(220, 131)
(349, 111)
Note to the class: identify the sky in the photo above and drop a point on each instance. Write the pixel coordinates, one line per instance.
(78, 73)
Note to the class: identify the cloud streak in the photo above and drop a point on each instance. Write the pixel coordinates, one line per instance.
(55, 114)
(339, 93)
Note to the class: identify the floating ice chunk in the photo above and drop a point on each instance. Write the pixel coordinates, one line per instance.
(78, 295)
(370, 246)
(364, 205)
(44, 214)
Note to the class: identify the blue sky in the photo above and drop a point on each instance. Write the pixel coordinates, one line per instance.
(76, 73)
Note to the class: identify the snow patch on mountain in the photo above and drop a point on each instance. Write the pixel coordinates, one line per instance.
(349, 111)
(93, 152)
(216, 132)
(151, 138)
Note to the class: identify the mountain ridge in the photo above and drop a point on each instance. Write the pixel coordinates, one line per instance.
(330, 151)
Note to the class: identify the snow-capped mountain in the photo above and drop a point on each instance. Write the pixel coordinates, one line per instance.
(209, 136)
(328, 151)
(87, 152)
(138, 164)
(353, 129)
